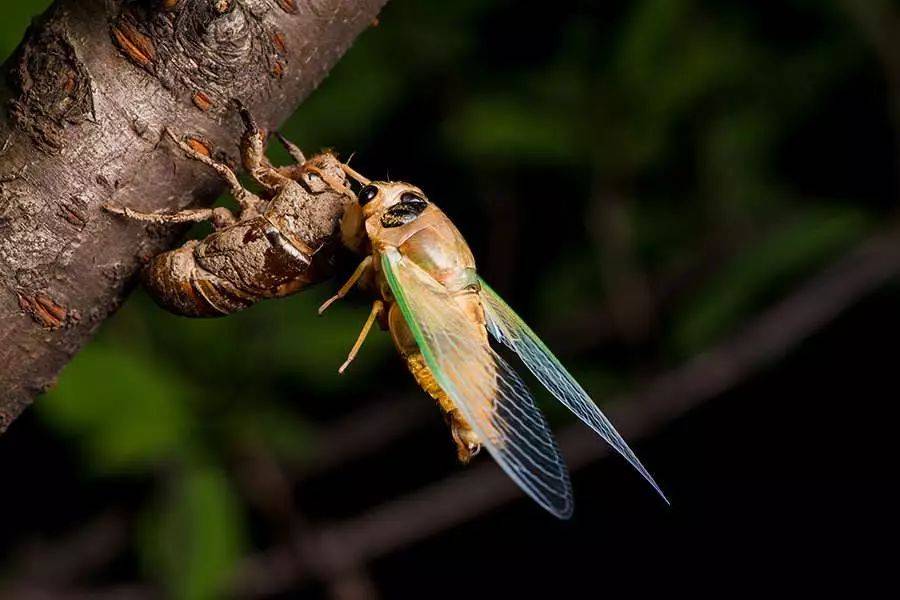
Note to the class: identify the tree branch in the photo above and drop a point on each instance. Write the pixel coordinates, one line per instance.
(87, 96)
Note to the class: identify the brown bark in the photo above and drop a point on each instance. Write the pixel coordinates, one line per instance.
(87, 96)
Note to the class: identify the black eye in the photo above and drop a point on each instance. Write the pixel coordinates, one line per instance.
(411, 198)
(410, 206)
(367, 194)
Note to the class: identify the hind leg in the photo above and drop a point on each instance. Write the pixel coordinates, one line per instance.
(219, 216)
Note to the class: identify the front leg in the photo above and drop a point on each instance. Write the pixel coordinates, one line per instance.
(219, 216)
(253, 154)
(305, 167)
(294, 171)
(292, 148)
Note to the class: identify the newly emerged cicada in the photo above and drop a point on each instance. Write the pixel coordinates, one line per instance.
(440, 314)
(428, 294)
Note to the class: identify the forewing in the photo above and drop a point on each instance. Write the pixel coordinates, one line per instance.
(493, 399)
(508, 328)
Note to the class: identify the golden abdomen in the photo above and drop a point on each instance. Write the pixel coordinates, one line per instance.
(438, 249)
(467, 444)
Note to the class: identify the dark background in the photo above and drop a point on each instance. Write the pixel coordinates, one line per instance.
(641, 180)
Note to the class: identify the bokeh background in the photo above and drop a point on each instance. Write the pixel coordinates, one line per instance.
(693, 202)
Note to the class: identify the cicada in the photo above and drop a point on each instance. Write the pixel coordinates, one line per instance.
(441, 314)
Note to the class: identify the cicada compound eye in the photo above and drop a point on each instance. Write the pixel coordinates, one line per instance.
(367, 194)
(413, 199)
(411, 205)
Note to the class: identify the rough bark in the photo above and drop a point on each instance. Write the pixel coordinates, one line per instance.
(87, 96)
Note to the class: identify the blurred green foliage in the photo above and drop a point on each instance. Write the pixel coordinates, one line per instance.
(192, 537)
(138, 421)
(625, 145)
(759, 273)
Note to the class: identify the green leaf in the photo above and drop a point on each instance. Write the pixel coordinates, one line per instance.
(16, 17)
(192, 539)
(124, 409)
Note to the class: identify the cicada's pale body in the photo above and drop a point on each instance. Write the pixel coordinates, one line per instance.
(433, 243)
(441, 315)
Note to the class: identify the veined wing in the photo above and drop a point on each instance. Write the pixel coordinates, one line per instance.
(493, 399)
(507, 327)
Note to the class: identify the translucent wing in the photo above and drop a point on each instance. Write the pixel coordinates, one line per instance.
(507, 327)
(493, 399)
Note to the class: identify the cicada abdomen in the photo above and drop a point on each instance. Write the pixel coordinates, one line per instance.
(230, 270)
(270, 250)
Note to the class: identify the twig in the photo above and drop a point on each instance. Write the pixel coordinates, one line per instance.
(112, 592)
(82, 552)
(46, 568)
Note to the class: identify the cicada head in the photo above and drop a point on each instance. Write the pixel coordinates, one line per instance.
(324, 171)
(391, 210)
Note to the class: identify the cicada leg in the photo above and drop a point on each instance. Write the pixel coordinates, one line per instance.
(219, 216)
(377, 308)
(345, 289)
(352, 173)
(292, 148)
(247, 199)
(253, 154)
(294, 171)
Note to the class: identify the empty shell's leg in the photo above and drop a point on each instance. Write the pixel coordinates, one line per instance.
(294, 171)
(253, 155)
(377, 308)
(345, 289)
(247, 199)
(292, 149)
(220, 216)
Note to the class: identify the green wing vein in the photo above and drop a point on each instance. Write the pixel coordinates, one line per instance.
(490, 395)
(509, 329)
